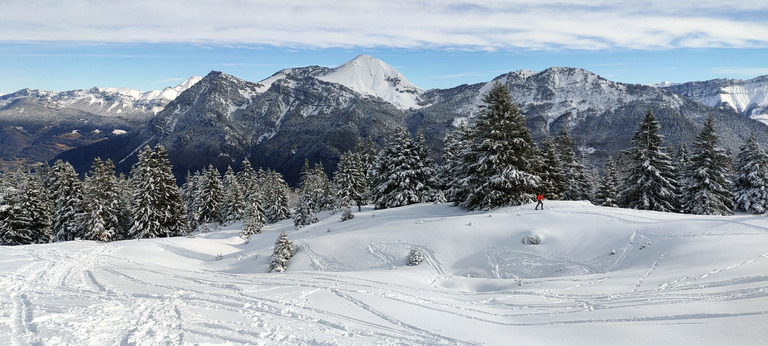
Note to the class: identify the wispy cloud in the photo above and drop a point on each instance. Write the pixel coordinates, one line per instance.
(452, 24)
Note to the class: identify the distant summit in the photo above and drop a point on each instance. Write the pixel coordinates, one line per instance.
(370, 76)
(365, 75)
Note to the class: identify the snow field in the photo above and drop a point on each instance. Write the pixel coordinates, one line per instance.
(599, 276)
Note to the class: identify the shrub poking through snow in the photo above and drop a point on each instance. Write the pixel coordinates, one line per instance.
(415, 257)
(533, 239)
(283, 252)
(347, 215)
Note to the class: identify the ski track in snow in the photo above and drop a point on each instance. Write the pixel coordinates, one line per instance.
(90, 293)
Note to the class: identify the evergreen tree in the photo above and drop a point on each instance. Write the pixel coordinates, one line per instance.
(313, 193)
(25, 213)
(607, 194)
(249, 182)
(751, 178)
(401, 176)
(282, 253)
(156, 205)
(275, 196)
(233, 208)
(255, 219)
(305, 215)
(708, 188)
(497, 166)
(67, 194)
(650, 183)
(102, 217)
(210, 196)
(315, 187)
(350, 181)
(578, 186)
(11, 186)
(554, 182)
(189, 193)
(451, 171)
(683, 160)
(428, 173)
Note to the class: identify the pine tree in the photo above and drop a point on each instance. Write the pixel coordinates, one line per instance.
(451, 171)
(254, 220)
(11, 187)
(554, 182)
(156, 205)
(233, 208)
(708, 188)
(210, 196)
(312, 195)
(683, 161)
(102, 217)
(249, 182)
(607, 194)
(189, 195)
(578, 186)
(282, 253)
(650, 183)
(25, 212)
(67, 194)
(401, 174)
(498, 163)
(428, 172)
(751, 178)
(315, 187)
(275, 196)
(305, 215)
(350, 181)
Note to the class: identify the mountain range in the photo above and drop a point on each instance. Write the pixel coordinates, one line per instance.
(317, 113)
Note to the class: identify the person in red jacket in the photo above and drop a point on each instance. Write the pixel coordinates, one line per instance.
(540, 198)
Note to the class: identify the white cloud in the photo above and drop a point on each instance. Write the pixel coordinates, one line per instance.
(481, 25)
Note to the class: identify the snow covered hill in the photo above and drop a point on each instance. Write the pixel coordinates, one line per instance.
(598, 276)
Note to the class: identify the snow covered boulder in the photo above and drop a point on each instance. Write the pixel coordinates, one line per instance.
(533, 238)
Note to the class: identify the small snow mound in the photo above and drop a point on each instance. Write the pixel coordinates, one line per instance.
(533, 238)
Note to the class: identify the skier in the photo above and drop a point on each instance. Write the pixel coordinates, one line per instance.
(540, 198)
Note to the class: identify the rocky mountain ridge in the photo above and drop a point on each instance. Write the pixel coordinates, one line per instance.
(318, 113)
(746, 97)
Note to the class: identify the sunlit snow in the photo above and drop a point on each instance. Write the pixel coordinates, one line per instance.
(599, 276)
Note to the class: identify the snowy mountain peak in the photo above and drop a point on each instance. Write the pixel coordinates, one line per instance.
(166, 94)
(370, 76)
(747, 97)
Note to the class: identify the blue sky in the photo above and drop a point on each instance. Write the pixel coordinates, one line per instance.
(150, 44)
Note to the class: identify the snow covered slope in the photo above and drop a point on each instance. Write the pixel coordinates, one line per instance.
(599, 276)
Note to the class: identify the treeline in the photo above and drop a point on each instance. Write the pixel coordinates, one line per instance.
(490, 163)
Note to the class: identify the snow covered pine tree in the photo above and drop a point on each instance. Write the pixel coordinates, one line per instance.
(708, 188)
(156, 204)
(751, 178)
(650, 183)
(282, 253)
(497, 164)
